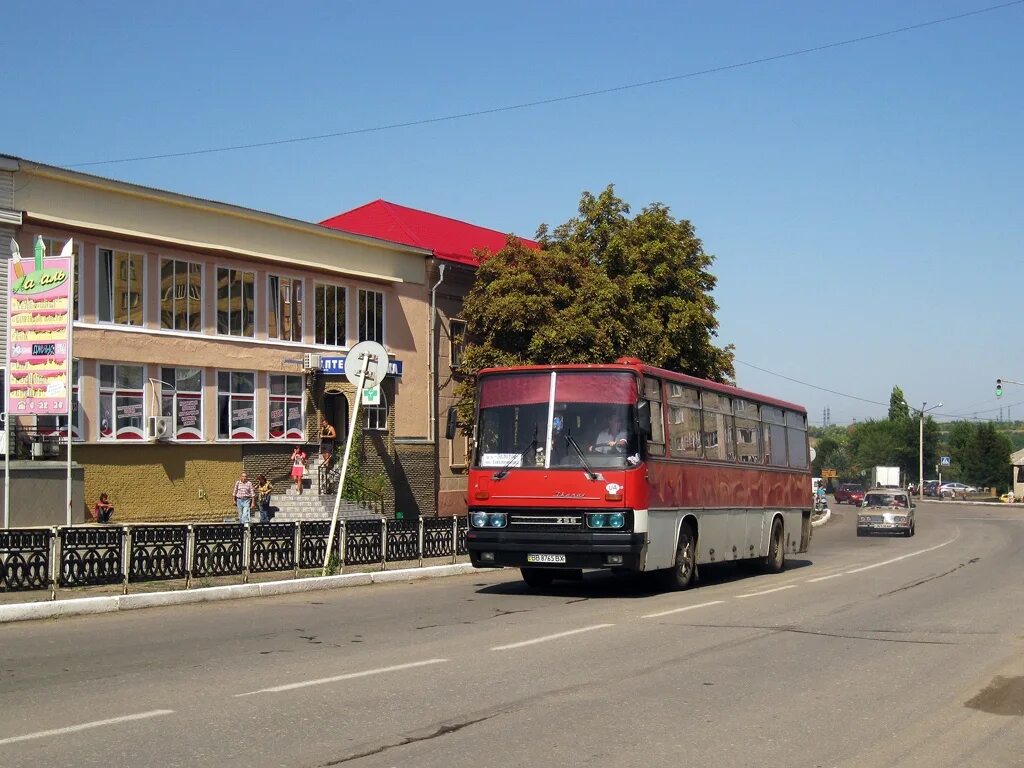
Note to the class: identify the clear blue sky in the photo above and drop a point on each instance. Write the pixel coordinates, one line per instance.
(864, 202)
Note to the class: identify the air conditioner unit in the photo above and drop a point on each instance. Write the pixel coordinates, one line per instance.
(160, 428)
(311, 361)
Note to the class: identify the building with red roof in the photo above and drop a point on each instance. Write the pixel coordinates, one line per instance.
(455, 246)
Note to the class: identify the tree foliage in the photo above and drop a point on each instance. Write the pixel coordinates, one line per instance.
(985, 457)
(603, 285)
(898, 408)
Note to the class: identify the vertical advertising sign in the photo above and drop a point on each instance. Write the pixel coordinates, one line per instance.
(39, 325)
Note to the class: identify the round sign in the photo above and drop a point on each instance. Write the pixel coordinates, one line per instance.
(814, 453)
(359, 355)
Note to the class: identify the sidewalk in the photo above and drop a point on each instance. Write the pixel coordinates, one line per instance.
(22, 606)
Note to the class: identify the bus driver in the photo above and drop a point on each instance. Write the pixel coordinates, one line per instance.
(612, 438)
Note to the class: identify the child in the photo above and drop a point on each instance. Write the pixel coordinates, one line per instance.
(103, 510)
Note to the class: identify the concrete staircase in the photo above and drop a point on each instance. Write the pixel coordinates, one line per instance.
(312, 505)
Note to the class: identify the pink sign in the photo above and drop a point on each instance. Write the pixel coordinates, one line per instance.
(39, 307)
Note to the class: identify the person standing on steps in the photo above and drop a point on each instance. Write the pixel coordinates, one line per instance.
(327, 437)
(298, 468)
(243, 497)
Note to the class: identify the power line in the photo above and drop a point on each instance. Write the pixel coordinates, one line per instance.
(557, 99)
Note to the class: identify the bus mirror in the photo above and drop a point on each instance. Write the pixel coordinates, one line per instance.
(452, 426)
(643, 410)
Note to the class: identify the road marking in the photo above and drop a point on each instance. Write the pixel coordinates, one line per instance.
(86, 726)
(768, 591)
(550, 637)
(680, 610)
(1004, 519)
(904, 557)
(349, 676)
(825, 578)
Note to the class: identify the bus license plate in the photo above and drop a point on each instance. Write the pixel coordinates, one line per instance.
(545, 558)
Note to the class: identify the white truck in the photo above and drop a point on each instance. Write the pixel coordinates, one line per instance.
(885, 477)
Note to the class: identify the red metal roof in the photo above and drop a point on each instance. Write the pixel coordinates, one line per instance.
(449, 239)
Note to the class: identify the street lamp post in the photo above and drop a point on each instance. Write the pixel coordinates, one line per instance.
(920, 449)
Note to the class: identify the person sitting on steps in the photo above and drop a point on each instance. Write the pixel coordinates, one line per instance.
(103, 510)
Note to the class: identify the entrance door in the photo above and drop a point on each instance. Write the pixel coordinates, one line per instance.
(336, 411)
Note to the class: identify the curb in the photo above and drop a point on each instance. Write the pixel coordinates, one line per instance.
(822, 519)
(87, 606)
(973, 503)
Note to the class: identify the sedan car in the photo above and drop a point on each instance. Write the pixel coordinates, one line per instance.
(886, 510)
(843, 492)
(856, 496)
(931, 487)
(955, 490)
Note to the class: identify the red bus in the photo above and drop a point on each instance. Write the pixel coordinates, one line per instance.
(630, 467)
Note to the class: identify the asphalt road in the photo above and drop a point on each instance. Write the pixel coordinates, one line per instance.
(866, 652)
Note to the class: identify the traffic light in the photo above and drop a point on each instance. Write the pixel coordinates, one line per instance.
(999, 387)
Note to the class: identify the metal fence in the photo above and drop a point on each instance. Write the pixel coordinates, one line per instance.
(47, 558)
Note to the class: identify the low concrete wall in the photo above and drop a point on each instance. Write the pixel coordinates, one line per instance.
(39, 494)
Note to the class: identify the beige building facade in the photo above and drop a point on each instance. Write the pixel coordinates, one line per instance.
(193, 320)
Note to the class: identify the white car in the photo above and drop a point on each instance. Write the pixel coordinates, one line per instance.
(953, 490)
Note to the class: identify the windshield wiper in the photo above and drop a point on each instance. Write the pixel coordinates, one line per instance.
(522, 455)
(591, 474)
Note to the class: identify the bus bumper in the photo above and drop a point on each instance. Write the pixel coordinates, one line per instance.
(515, 549)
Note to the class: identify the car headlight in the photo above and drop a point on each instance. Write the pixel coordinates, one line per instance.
(488, 519)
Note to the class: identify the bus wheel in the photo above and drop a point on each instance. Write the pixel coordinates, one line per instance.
(682, 573)
(776, 559)
(537, 578)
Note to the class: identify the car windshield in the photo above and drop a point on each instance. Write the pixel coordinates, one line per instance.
(885, 500)
(548, 419)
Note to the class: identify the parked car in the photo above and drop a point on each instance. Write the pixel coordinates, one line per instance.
(955, 490)
(931, 487)
(887, 510)
(842, 493)
(856, 496)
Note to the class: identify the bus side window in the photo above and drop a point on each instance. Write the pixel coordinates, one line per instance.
(652, 393)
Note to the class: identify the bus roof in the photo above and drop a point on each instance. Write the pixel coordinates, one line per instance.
(636, 366)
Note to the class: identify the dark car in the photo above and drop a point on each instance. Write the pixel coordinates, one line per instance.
(843, 492)
(931, 487)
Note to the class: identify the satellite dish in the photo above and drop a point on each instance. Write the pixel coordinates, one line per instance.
(813, 452)
(357, 357)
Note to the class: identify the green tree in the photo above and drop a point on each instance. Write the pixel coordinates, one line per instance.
(604, 285)
(898, 408)
(987, 457)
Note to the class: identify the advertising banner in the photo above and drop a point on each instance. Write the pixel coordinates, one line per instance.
(39, 323)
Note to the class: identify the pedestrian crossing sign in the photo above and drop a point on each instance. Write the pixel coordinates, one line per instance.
(944, 461)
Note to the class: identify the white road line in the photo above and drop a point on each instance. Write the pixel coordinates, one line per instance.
(825, 578)
(768, 591)
(550, 637)
(680, 610)
(86, 726)
(349, 676)
(904, 557)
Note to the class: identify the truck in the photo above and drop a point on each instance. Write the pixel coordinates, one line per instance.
(885, 477)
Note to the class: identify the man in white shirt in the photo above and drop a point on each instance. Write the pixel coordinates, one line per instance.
(612, 438)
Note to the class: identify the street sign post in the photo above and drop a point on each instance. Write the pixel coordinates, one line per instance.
(945, 461)
(366, 365)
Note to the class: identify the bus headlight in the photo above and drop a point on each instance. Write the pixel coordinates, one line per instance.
(616, 520)
(497, 519)
(606, 520)
(488, 519)
(479, 519)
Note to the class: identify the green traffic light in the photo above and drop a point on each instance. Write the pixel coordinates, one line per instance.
(999, 387)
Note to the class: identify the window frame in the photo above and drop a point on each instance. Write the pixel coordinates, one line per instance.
(77, 432)
(202, 290)
(286, 399)
(173, 393)
(375, 411)
(231, 399)
(216, 300)
(274, 298)
(343, 341)
(114, 392)
(362, 314)
(144, 257)
(456, 341)
(76, 278)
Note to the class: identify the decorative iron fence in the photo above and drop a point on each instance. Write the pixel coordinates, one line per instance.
(42, 558)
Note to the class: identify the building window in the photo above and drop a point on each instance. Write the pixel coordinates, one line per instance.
(121, 287)
(287, 414)
(236, 405)
(375, 417)
(457, 339)
(181, 398)
(54, 245)
(284, 308)
(57, 425)
(122, 402)
(371, 316)
(330, 315)
(181, 295)
(458, 452)
(236, 302)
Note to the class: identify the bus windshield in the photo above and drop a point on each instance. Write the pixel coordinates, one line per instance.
(549, 419)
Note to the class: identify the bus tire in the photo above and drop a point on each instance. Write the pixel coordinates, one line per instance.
(537, 578)
(684, 570)
(776, 559)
